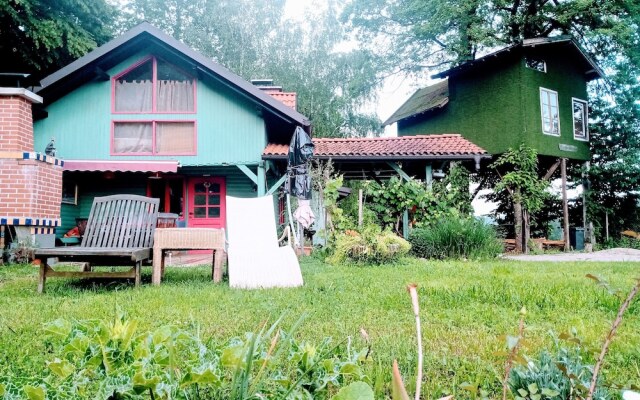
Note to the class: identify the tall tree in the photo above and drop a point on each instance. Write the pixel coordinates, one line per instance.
(40, 36)
(254, 39)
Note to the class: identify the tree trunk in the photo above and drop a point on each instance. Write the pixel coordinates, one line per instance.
(527, 231)
(517, 220)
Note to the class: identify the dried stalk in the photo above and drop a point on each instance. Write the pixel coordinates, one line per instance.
(512, 355)
(605, 347)
(413, 292)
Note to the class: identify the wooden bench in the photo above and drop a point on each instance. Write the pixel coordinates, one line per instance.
(119, 233)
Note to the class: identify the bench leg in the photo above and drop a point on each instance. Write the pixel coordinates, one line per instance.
(43, 277)
(138, 267)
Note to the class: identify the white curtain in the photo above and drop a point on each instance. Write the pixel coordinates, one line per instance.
(133, 96)
(132, 137)
(174, 96)
(175, 137)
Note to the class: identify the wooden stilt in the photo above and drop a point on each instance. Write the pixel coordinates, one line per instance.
(565, 204)
(360, 205)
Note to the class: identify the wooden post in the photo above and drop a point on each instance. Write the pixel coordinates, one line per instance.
(261, 179)
(606, 225)
(526, 231)
(517, 222)
(428, 176)
(565, 204)
(405, 224)
(360, 208)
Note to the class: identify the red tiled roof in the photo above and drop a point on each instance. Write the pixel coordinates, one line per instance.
(288, 98)
(420, 146)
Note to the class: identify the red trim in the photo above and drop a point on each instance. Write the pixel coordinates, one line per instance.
(153, 123)
(154, 79)
(121, 165)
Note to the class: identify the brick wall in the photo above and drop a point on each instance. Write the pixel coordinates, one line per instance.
(30, 189)
(16, 124)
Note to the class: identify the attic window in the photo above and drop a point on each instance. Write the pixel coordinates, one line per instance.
(536, 64)
(153, 86)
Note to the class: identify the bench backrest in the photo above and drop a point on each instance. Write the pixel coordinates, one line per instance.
(121, 221)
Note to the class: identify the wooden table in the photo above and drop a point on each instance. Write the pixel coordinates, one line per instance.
(188, 239)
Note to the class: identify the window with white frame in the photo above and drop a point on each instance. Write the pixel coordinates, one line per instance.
(580, 119)
(550, 112)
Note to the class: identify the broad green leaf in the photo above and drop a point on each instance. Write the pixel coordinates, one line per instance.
(206, 377)
(61, 368)
(350, 369)
(533, 388)
(78, 345)
(59, 327)
(34, 392)
(536, 396)
(3, 389)
(550, 392)
(469, 387)
(232, 356)
(523, 392)
(141, 384)
(355, 391)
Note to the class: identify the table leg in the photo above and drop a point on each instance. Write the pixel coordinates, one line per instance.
(158, 256)
(218, 258)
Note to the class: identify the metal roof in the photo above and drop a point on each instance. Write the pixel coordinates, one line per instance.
(81, 70)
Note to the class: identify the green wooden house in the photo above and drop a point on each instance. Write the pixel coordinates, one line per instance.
(534, 92)
(145, 114)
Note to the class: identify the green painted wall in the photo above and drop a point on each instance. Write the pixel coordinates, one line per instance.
(497, 106)
(229, 128)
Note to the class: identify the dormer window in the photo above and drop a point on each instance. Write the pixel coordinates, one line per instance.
(536, 64)
(153, 86)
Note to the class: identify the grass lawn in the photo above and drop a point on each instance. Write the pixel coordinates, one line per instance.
(466, 307)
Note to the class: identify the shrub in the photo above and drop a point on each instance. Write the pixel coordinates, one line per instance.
(548, 377)
(371, 245)
(456, 238)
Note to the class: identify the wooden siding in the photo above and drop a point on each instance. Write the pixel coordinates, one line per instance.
(229, 129)
(498, 107)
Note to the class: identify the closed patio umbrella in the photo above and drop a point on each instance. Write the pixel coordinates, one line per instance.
(298, 183)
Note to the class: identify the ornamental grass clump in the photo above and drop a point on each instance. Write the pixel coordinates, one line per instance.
(456, 238)
(370, 245)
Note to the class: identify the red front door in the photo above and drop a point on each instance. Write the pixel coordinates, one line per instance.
(207, 202)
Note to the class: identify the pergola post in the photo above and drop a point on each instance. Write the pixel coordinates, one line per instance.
(428, 176)
(405, 214)
(261, 179)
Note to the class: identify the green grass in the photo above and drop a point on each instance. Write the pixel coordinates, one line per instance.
(466, 307)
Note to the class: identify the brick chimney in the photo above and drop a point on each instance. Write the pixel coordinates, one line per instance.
(30, 182)
(267, 86)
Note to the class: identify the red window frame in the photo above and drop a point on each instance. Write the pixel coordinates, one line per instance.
(153, 123)
(154, 62)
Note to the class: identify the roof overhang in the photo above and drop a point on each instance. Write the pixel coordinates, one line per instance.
(90, 67)
(594, 72)
(121, 166)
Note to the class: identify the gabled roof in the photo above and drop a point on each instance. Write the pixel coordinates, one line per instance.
(448, 146)
(563, 40)
(423, 100)
(93, 65)
(437, 96)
